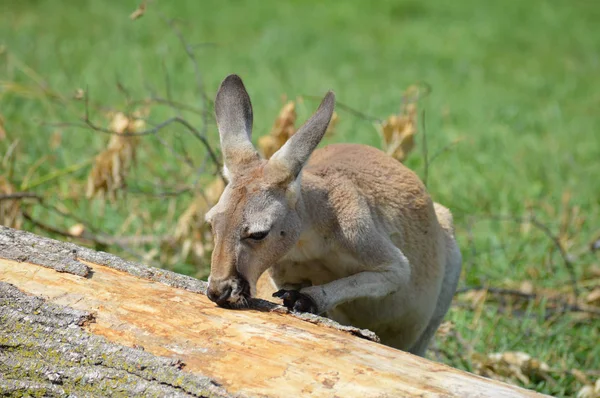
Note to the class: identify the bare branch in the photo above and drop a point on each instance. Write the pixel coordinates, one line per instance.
(348, 109)
(136, 240)
(178, 106)
(369, 118)
(563, 253)
(555, 240)
(564, 305)
(168, 88)
(48, 228)
(497, 290)
(184, 159)
(471, 242)
(123, 90)
(418, 96)
(20, 195)
(199, 81)
(63, 214)
(89, 124)
(90, 238)
(162, 194)
(443, 149)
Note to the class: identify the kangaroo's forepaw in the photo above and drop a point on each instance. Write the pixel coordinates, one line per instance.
(296, 301)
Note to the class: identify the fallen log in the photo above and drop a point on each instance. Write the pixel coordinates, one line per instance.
(76, 321)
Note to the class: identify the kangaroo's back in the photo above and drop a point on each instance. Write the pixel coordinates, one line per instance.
(398, 201)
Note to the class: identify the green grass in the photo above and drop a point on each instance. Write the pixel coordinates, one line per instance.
(517, 81)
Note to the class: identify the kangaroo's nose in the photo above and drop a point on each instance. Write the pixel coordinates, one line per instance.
(219, 297)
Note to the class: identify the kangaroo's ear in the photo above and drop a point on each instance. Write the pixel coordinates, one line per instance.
(233, 111)
(296, 151)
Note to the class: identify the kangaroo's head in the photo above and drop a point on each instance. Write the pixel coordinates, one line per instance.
(256, 221)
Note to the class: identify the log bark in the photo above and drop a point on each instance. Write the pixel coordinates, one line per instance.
(75, 321)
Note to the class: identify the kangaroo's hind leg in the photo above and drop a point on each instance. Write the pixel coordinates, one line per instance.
(449, 284)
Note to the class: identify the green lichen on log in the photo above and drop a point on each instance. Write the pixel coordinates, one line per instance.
(45, 352)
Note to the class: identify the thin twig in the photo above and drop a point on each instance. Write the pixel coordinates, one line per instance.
(555, 240)
(158, 127)
(471, 242)
(48, 228)
(8, 156)
(497, 290)
(199, 81)
(182, 148)
(407, 99)
(20, 195)
(565, 306)
(63, 214)
(156, 99)
(443, 149)
(86, 99)
(348, 109)
(174, 104)
(121, 87)
(136, 240)
(97, 239)
(168, 88)
(161, 194)
(183, 158)
(88, 124)
(563, 253)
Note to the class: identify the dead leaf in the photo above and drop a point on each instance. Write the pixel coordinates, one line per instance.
(55, 139)
(79, 94)
(581, 317)
(525, 228)
(565, 218)
(590, 391)
(283, 128)
(214, 190)
(509, 366)
(119, 123)
(445, 329)
(192, 234)
(10, 210)
(284, 124)
(332, 124)
(526, 287)
(533, 271)
(580, 376)
(2, 130)
(139, 12)
(109, 173)
(77, 230)
(398, 132)
(475, 297)
(267, 144)
(593, 297)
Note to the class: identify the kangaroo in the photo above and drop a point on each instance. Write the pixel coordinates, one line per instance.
(344, 231)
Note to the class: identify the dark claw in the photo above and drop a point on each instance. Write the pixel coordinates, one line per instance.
(296, 301)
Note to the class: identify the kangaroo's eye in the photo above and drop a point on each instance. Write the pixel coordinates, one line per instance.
(258, 235)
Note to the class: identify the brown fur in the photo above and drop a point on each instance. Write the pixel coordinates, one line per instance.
(352, 230)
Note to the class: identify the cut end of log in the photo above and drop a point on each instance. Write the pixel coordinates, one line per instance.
(44, 351)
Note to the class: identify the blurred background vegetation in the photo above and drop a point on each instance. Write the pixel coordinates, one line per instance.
(504, 122)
